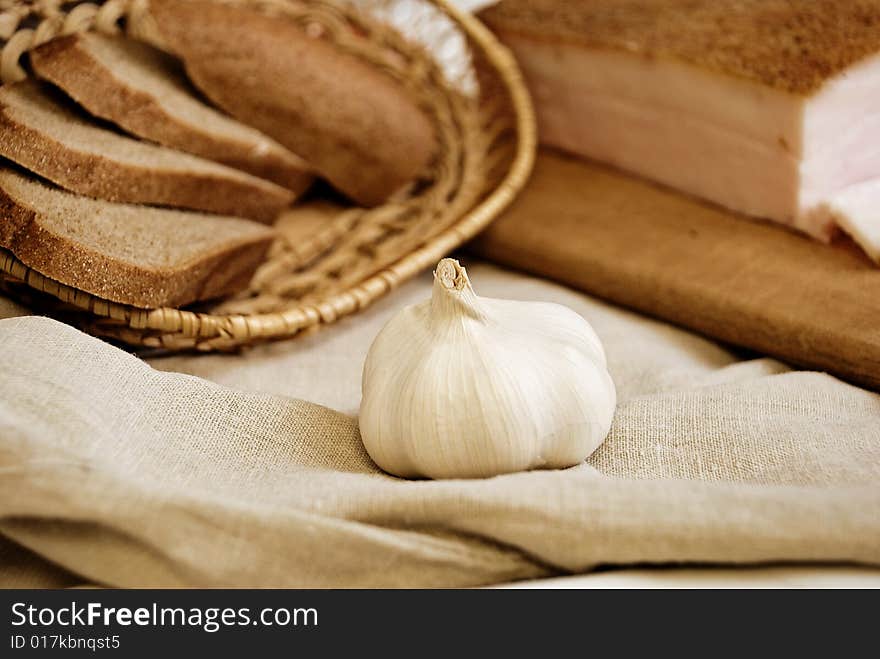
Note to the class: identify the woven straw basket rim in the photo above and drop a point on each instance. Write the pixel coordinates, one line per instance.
(178, 329)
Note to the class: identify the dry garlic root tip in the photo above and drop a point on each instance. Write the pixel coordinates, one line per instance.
(461, 386)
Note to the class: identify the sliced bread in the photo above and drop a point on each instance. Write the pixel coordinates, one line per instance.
(41, 133)
(144, 91)
(146, 257)
(355, 124)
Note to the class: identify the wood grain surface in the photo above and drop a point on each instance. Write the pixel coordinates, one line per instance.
(746, 282)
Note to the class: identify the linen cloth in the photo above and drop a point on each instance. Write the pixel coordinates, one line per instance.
(116, 473)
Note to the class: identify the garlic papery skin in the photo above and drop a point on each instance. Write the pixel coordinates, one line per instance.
(461, 386)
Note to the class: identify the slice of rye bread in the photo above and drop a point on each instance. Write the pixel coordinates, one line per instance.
(144, 91)
(41, 133)
(145, 257)
(356, 125)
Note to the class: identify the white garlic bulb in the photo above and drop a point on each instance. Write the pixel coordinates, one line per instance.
(461, 386)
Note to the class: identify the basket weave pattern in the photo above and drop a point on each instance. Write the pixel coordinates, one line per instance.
(486, 139)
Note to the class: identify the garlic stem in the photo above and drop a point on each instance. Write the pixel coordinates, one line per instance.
(452, 296)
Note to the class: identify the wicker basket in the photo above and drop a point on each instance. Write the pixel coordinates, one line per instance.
(330, 260)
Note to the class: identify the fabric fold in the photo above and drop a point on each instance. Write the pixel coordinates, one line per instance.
(129, 476)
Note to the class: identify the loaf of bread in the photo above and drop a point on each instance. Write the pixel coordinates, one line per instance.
(41, 133)
(146, 257)
(144, 91)
(357, 126)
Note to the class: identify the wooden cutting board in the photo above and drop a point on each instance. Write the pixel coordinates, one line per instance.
(746, 282)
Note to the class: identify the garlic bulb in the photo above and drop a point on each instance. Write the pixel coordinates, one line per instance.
(461, 386)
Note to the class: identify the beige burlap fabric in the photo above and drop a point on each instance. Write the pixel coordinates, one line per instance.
(120, 474)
